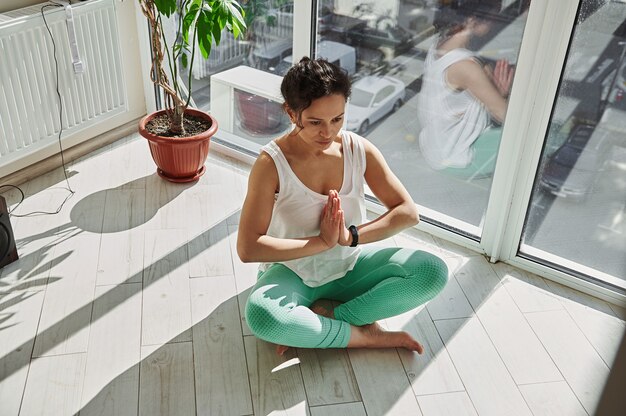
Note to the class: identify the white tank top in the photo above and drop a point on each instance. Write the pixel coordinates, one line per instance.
(298, 209)
(451, 120)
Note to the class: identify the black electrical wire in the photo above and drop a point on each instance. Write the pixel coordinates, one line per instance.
(56, 67)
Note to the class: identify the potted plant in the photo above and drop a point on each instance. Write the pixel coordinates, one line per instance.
(179, 136)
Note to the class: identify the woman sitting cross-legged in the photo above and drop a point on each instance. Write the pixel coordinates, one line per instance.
(304, 220)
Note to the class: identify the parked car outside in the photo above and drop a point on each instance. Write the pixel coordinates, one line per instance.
(572, 170)
(267, 55)
(392, 40)
(337, 53)
(372, 98)
(329, 21)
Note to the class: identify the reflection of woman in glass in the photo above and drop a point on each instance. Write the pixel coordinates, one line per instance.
(460, 97)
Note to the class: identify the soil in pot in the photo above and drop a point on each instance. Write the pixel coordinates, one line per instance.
(192, 125)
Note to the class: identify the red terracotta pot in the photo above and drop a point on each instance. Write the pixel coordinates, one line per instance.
(179, 159)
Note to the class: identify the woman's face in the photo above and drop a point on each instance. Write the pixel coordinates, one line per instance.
(322, 120)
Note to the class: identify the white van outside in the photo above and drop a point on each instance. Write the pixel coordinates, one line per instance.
(337, 53)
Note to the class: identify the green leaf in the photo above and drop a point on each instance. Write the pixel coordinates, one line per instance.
(188, 20)
(237, 13)
(184, 60)
(217, 32)
(165, 7)
(205, 38)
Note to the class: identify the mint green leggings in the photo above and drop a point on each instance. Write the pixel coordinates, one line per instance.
(485, 152)
(384, 282)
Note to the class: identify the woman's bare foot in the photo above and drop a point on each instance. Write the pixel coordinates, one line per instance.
(318, 309)
(280, 349)
(374, 336)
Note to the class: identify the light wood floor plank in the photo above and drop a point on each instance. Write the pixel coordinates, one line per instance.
(552, 399)
(276, 381)
(209, 253)
(596, 320)
(328, 376)
(221, 374)
(619, 311)
(19, 316)
(64, 324)
(166, 206)
(450, 303)
(383, 382)
(520, 349)
(568, 295)
(130, 163)
(166, 315)
(121, 248)
(54, 385)
(433, 371)
(112, 372)
(576, 358)
(343, 409)
(447, 404)
(95, 175)
(530, 292)
(35, 238)
(245, 277)
(486, 379)
(166, 380)
(212, 204)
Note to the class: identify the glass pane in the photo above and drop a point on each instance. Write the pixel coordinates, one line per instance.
(448, 66)
(578, 206)
(248, 69)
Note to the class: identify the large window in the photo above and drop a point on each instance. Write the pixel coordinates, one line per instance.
(432, 89)
(577, 215)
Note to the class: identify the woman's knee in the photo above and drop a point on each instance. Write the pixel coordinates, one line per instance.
(260, 317)
(430, 273)
(439, 274)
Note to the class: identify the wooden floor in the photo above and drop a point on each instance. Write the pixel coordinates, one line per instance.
(129, 301)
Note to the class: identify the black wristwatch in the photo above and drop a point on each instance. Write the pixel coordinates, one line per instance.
(355, 235)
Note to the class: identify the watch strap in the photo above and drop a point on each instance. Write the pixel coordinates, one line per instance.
(355, 235)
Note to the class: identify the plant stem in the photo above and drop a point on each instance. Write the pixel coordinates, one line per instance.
(193, 54)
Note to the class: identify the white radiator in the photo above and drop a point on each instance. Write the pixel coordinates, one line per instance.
(29, 108)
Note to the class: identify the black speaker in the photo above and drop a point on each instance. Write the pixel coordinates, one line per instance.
(8, 251)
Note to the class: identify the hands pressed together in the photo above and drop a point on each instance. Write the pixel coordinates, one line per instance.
(333, 229)
(503, 77)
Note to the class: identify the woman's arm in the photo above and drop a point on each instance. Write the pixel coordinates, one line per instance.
(401, 210)
(253, 245)
(470, 75)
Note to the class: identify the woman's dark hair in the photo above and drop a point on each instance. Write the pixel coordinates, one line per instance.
(451, 19)
(311, 79)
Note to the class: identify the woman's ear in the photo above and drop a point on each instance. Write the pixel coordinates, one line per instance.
(290, 113)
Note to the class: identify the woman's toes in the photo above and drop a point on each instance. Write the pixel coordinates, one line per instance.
(280, 349)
